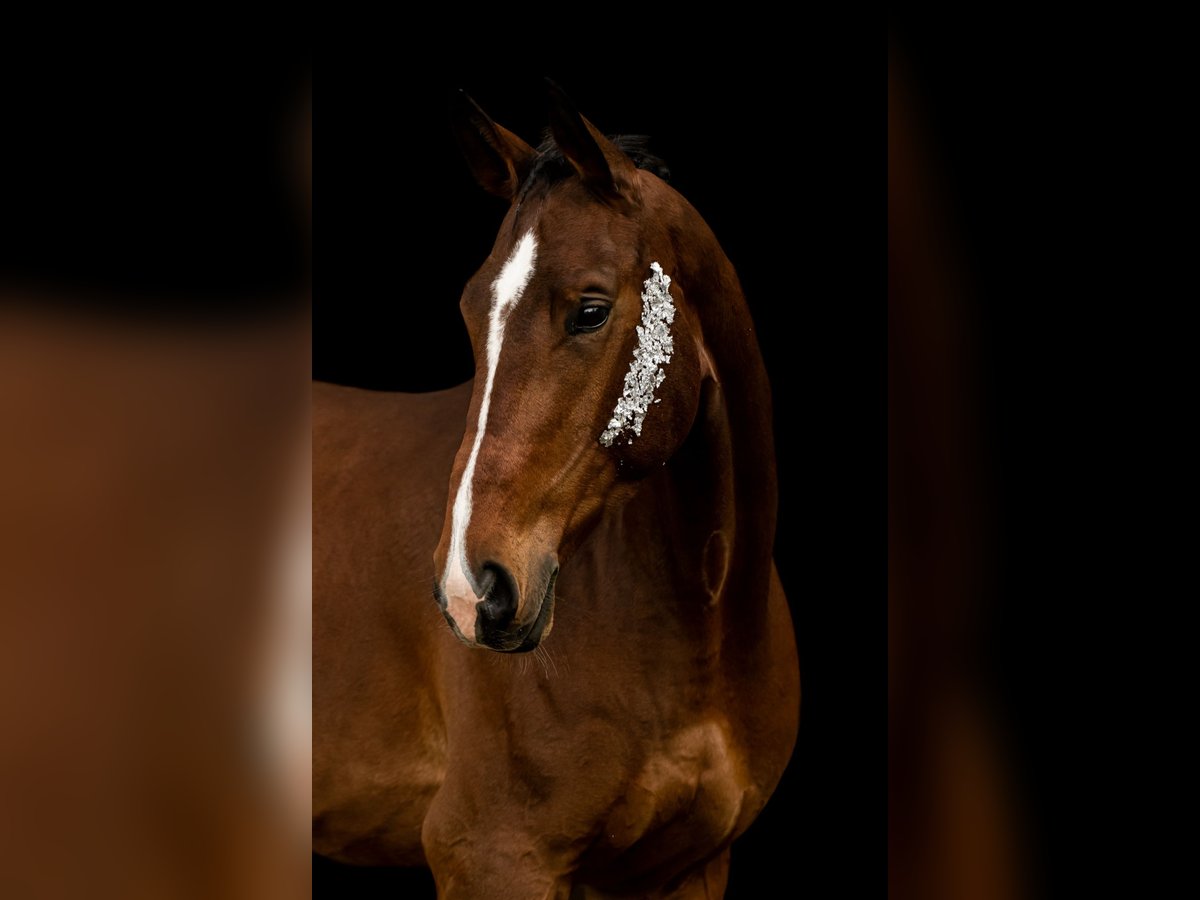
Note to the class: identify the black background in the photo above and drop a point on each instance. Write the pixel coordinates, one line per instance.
(156, 182)
(776, 171)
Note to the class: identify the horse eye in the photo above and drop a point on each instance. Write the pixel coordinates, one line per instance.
(588, 318)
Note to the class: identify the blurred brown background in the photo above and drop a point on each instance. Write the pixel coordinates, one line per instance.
(154, 565)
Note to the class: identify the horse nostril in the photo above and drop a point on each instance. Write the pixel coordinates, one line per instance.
(499, 603)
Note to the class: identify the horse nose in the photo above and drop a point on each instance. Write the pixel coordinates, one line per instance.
(499, 604)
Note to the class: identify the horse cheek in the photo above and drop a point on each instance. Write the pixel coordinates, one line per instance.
(670, 417)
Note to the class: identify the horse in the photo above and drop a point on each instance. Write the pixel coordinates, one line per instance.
(603, 691)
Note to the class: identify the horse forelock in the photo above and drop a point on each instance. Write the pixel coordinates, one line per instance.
(551, 165)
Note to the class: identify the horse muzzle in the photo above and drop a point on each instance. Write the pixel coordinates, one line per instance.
(494, 617)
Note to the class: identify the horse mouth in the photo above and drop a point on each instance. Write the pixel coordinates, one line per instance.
(539, 627)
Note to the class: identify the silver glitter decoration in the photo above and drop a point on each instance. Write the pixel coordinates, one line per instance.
(654, 349)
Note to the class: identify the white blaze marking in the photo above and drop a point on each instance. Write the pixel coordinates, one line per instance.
(506, 292)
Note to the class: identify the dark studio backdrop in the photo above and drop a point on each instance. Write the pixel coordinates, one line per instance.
(156, 183)
(1008, 234)
(403, 226)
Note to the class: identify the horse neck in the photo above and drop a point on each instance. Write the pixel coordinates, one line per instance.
(744, 395)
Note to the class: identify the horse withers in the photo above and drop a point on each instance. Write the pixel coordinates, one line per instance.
(602, 494)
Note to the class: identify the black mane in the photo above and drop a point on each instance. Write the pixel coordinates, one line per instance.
(551, 166)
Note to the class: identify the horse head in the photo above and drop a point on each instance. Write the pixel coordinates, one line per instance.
(589, 365)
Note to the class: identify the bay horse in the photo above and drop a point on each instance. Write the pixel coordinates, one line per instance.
(606, 488)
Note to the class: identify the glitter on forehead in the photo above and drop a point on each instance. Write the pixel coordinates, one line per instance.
(653, 351)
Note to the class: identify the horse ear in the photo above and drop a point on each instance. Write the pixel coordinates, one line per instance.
(602, 165)
(498, 159)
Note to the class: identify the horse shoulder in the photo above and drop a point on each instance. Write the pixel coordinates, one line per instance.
(714, 774)
(697, 775)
